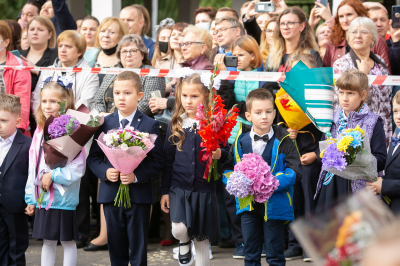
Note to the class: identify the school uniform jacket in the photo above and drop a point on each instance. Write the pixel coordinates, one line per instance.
(140, 192)
(391, 179)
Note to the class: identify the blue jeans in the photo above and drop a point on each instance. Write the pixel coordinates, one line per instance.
(254, 229)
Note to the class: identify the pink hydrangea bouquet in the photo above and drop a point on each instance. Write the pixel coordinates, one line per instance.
(252, 180)
(125, 149)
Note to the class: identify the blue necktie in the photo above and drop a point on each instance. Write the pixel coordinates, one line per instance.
(395, 141)
(124, 122)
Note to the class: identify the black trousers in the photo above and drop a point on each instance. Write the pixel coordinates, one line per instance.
(14, 237)
(230, 204)
(127, 230)
(83, 208)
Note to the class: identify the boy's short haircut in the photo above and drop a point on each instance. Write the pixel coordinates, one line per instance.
(132, 76)
(353, 80)
(258, 94)
(10, 103)
(396, 97)
(307, 59)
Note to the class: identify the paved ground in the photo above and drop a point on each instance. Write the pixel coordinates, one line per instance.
(157, 255)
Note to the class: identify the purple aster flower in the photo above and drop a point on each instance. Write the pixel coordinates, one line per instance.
(58, 127)
(333, 158)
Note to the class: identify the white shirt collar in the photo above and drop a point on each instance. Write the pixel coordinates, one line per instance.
(129, 118)
(9, 139)
(270, 133)
(188, 122)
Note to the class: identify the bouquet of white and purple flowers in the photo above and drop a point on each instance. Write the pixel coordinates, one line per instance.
(125, 149)
(251, 181)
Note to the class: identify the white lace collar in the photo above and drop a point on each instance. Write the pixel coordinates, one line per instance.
(188, 122)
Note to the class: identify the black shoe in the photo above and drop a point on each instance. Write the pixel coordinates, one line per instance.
(93, 247)
(291, 254)
(185, 259)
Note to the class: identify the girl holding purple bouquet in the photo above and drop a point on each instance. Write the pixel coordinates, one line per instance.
(353, 91)
(55, 218)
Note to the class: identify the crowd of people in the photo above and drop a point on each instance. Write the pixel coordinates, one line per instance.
(357, 41)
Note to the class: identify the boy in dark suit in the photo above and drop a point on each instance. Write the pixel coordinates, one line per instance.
(389, 184)
(14, 158)
(127, 229)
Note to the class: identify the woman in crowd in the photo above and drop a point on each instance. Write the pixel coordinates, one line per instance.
(262, 19)
(215, 38)
(12, 81)
(195, 47)
(88, 30)
(71, 47)
(131, 53)
(266, 38)
(16, 34)
(109, 33)
(41, 36)
(203, 16)
(24, 40)
(323, 34)
(362, 36)
(292, 36)
(347, 11)
(159, 104)
(161, 51)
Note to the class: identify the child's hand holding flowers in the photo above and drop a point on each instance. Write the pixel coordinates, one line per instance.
(216, 155)
(127, 179)
(112, 174)
(46, 181)
(377, 185)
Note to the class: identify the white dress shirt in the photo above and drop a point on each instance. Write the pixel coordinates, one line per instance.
(259, 146)
(129, 118)
(5, 145)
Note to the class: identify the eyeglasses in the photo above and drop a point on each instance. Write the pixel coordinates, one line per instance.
(187, 44)
(290, 25)
(222, 30)
(362, 32)
(131, 52)
(267, 31)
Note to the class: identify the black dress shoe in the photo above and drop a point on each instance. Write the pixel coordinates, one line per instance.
(187, 258)
(93, 247)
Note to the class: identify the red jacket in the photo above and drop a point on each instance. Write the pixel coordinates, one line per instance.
(335, 52)
(18, 82)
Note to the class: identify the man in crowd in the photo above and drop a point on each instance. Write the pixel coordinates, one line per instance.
(379, 15)
(226, 12)
(137, 19)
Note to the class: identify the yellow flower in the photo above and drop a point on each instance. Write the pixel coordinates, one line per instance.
(344, 143)
(292, 103)
(321, 154)
(334, 82)
(357, 128)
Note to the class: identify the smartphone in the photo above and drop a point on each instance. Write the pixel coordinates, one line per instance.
(396, 17)
(231, 61)
(264, 7)
(324, 2)
(16, 53)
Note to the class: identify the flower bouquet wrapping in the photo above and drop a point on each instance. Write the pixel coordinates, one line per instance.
(339, 237)
(349, 155)
(215, 125)
(64, 138)
(125, 149)
(251, 181)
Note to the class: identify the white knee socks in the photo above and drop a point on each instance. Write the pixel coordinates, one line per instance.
(179, 231)
(202, 253)
(48, 257)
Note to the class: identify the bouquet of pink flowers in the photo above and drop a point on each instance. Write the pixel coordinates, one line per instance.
(251, 180)
(125, 149)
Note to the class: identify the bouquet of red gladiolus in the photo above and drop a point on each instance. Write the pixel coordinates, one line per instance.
(216, 124)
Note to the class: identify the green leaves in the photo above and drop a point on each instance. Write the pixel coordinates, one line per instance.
(244, 202)
(61, 110)
(70, 126)
(94, 121)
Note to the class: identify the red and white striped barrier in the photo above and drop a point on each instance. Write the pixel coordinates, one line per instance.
(225, 75)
